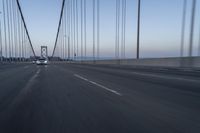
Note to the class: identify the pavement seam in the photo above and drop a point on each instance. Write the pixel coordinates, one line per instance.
(25, 90)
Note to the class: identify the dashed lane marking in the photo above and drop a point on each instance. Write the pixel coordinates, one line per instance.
(99, 85)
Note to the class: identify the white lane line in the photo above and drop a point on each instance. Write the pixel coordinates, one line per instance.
(99, 85)
(165, 77)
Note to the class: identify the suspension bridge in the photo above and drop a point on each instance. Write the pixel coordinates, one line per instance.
(82, 89)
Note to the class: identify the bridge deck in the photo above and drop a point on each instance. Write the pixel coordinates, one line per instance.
(61, 98)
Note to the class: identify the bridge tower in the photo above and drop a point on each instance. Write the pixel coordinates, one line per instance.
(44, 52)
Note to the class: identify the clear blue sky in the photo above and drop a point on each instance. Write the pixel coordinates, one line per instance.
(160, 25)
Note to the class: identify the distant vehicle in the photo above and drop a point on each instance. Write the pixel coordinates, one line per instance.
(42, 61)
(34, 61)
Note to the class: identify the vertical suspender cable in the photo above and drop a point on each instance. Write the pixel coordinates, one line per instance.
(69, 48)
(1, 42)
(192, 27)
(85, 29)
(117, 1)
(98, 29)
(199, 44)
(138, 30)
(122, 31)
(22, 41)
(66, 28)
(5, 29)
(62, 37)
(74, 30)
(11, 27)
(81, 29)
(94, 28)
(77, 29)
(59, 47)
(72, 34)
(19, 37)
(15, 30)
(19, 33)
(117, 29)
(61, 40)
(183, 28)
(74, 15)
(25, 45)
(69, 29)
(8, 21)
(65, 34)
(124, 44)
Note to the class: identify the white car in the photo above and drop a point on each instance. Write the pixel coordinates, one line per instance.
(42, 61)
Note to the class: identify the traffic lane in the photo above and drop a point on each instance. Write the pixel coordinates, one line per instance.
(176, 107)
(127, 83)
(132, 84)
(176, 72)
(12, 69)
(60, 103)
(9, 66)
(12, 82)
(136, 109)
(190, 72)
(176, 81)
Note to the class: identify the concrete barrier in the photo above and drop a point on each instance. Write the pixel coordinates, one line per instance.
(187, 62)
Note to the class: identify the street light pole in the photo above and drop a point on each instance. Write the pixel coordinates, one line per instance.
(138, 30)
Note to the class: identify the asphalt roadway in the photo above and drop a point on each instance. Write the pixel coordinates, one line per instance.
(72, 98)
